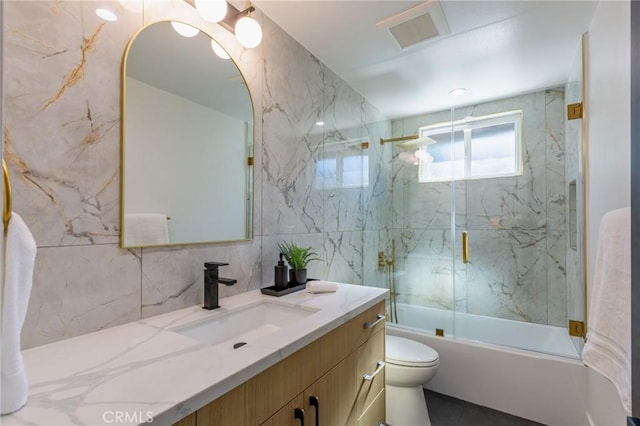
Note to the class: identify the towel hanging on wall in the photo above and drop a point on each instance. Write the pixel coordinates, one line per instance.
(20, 254)
(608, 347)
(145, 229)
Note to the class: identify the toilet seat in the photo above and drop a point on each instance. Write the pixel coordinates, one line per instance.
(409, 353)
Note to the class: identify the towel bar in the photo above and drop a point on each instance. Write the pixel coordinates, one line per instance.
(6, 196)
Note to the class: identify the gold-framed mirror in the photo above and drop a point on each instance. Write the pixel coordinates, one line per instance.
(187, 141)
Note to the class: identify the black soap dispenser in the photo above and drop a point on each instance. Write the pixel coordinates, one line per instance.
(281, 274)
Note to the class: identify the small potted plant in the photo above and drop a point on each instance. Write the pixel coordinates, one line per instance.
(298, 258)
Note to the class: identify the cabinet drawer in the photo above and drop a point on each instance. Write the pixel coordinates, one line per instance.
(335, 346)
(375, 414)
(369, 361)
(229, 409)
(365, 325)
(277, 385)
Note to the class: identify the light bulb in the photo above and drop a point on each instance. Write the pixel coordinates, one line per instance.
(212, 10)
(248, 32)
(218, 50)
(184, 30)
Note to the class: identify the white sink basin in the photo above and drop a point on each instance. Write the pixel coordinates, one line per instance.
(245, 324)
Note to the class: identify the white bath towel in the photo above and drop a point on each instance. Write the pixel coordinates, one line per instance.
(608, 347)
(20, 255)
(145, 229)
(321, 287)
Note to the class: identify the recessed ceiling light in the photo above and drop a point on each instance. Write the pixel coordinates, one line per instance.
(319, 123)
(107, 15)
(458, 92)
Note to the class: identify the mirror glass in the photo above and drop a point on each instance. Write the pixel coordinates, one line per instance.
(187, 142)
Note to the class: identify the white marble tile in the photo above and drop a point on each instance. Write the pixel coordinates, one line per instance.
(292, 103)
(557, 184)
(100, 290)
(425, 272)
(557, 242)
(344, 256)
(62, 113)
(173, 278)
(507, 275)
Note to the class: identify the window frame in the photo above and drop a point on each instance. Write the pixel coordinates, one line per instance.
(341, 149)
(466, 125)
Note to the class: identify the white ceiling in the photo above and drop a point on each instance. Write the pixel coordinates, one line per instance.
(494, 48)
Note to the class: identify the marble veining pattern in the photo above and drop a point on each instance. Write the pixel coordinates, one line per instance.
(517, 226)
(145, 367)
(62, 142)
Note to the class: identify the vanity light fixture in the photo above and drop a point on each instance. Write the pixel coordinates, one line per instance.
(218, 50)
(106, 14)
(211, 10)
(239, 22)
(248, 31)
(458, 92)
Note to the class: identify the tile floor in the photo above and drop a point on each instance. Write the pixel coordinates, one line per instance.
(448, 411)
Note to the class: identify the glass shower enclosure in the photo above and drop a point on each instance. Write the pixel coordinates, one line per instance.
(486, 223)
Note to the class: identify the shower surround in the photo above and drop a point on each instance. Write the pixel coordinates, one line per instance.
(517, 226)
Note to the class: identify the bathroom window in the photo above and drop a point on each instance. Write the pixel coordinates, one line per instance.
(472, 148)
(342, 165)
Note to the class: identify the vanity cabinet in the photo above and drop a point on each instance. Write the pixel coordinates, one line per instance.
(321, 384)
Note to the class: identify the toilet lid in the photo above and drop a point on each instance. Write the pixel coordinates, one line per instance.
(409, 353)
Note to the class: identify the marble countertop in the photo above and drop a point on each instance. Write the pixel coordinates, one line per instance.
(144, 371)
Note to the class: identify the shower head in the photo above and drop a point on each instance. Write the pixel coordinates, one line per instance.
(409, 141)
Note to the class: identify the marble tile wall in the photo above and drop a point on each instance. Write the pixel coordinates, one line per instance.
(517, 225)
(62, 73)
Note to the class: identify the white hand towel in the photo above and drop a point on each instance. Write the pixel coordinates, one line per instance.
(321, 287)
(20, 255)
(146, 229)
(608, 347)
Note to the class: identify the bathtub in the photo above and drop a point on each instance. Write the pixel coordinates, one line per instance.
(549, 389)
(516, 334)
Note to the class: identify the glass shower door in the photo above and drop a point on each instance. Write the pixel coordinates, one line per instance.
(422, 226)
(513, 206)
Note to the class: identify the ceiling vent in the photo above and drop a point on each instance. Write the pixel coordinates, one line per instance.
(420, 23)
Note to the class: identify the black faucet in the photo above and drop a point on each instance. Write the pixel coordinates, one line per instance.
(211, 281)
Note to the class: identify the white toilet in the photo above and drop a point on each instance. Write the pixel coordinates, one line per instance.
(410, 364)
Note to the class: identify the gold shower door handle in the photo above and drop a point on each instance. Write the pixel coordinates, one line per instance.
(465, 247)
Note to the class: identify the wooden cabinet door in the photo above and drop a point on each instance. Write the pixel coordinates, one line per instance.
(329, 401)
(190, 420)
(341, 396)
(229, 409)
(292, 414)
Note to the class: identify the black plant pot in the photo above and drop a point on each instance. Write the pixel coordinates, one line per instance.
(301, 276)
